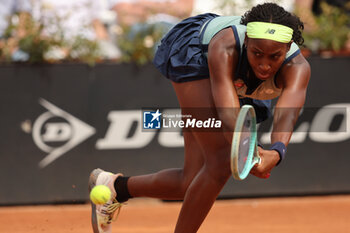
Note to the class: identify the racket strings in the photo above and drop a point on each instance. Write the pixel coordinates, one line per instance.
(244, 143)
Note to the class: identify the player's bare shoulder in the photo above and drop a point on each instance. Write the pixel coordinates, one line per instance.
(224, 41)
(296, 72)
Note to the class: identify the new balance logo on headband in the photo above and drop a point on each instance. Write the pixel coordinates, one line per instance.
(270, 31)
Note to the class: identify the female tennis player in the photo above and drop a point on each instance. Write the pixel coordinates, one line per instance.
(219, 62)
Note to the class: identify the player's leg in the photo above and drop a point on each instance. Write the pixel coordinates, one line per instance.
(205, 187)
(170, 184)
(166, 184)
(201, 179)
(210, 180)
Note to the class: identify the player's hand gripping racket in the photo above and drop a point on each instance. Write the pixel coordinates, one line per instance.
(244, 148)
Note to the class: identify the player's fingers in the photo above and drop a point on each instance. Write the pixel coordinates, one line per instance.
(254, 172)
(261, 174)
(260, 167)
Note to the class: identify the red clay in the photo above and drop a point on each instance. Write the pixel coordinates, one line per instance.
(328, 214)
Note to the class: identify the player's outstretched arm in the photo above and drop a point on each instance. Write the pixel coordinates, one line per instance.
(293, 79)
(222, 60)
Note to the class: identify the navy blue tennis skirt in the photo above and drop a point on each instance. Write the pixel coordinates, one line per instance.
(179, 57)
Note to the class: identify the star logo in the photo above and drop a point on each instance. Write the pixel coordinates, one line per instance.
(156, 115)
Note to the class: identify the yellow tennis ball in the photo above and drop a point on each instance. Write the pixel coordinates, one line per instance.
(100, 194)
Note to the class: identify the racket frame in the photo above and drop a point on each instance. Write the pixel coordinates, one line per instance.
(253, 155)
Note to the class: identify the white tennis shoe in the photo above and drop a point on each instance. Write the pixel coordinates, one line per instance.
(103, 215)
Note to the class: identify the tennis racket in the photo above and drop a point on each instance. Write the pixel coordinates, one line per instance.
(244, 148)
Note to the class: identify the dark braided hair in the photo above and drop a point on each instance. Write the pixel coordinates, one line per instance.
(273, 13)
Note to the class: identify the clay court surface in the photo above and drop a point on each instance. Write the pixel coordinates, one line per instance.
(325, 214)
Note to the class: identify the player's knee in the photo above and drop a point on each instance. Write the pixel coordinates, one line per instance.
(218, 166)
(220, 174)
(187, 179)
